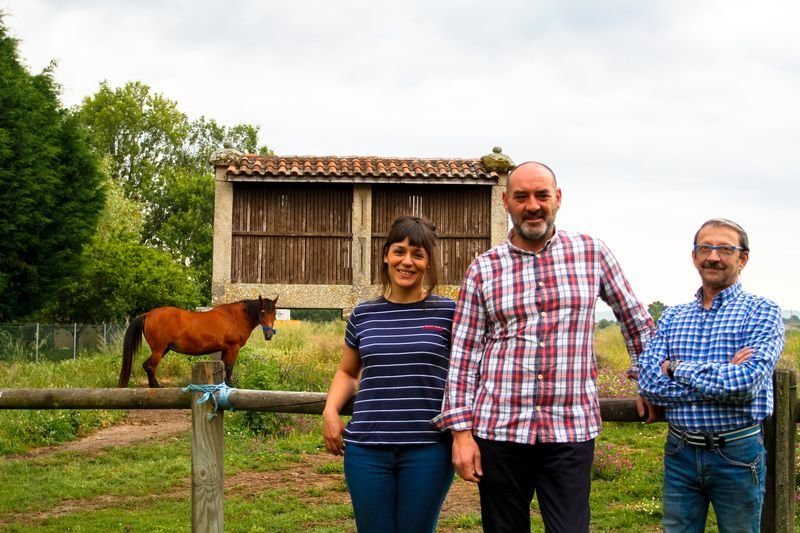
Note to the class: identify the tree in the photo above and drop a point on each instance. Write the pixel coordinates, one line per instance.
(121, 277)
(604, 323)
(139, 133)
(206, 136)
(50, 186)
(656, 309)
(180, 222)
(181, 215)
(160, 158)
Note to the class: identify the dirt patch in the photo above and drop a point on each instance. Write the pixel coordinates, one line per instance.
(307, 481)
(462, 499)
(140, 425)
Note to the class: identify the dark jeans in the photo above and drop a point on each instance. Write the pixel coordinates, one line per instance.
(559, 474)
(398, 489)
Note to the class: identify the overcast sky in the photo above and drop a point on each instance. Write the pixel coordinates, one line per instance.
(655, 115)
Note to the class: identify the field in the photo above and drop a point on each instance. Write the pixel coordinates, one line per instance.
(103, 470)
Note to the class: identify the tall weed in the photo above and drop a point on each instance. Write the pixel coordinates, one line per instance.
(12, 348)
(301, 357)
(791, 351)
(609, 349)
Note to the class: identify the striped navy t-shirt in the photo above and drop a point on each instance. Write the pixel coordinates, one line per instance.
(405, 352)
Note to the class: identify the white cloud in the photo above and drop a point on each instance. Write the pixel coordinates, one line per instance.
(656, 115)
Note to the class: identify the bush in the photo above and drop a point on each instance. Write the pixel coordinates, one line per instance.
(301, 357)
(317, 315)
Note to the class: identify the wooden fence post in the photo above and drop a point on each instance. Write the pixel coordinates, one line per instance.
(207, 456)
(779, 440)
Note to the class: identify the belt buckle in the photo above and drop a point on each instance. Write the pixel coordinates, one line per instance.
(712, 442)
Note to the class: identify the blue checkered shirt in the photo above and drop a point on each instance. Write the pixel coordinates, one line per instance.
(708, 393)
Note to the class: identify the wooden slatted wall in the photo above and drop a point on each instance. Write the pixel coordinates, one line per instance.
(461, 214)
(292, 233)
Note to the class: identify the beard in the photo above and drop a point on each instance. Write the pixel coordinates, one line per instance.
(535, 233)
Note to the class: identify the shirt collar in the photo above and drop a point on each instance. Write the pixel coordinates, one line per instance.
(552, 241)
(723, 297)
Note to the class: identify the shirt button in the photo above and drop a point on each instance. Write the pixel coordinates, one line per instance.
(543, 314)
(541, 344)
(538, 407)
(541, 283)
(540, 376)
(694, 407)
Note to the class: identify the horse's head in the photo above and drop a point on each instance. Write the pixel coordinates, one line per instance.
(266, 316)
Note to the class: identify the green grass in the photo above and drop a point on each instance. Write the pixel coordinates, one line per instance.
(40, 483)
(147, 487)
(791, 351)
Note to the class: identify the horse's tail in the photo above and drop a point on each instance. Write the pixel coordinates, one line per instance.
(133, 339)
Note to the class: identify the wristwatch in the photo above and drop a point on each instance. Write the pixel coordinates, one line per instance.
(671, 366)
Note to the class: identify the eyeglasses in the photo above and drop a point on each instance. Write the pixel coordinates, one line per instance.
(724, 250)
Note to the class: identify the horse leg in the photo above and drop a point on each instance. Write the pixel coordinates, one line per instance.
(228, 359)
(150, 367)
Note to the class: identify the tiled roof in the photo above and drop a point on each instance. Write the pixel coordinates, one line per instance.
(253, 167)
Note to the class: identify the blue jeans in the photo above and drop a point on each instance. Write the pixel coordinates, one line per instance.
(397, 489)
(731, 478)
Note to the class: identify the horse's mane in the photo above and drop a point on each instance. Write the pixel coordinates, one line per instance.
(253, 307)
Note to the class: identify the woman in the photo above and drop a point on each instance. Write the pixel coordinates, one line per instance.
(396, 464)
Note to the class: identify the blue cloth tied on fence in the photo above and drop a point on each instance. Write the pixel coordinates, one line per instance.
(220, 400)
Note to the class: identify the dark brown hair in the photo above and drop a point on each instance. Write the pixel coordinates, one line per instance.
(420, 232)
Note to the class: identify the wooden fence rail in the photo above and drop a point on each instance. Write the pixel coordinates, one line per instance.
(207, 475)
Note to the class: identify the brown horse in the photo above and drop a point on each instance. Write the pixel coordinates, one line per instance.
(224, 328)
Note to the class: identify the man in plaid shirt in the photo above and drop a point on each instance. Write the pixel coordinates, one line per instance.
(710, 367)
(521, 397)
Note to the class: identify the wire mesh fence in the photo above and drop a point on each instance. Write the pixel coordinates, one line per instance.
(55, 342)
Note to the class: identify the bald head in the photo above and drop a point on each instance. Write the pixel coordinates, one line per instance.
(532, 168)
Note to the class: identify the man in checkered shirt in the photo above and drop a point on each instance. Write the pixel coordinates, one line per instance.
(521, 396)
(710, 368)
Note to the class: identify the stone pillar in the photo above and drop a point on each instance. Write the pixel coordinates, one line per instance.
(223, 222)
(499, 215)
(500, 163)
(362, 235)
(223, 218)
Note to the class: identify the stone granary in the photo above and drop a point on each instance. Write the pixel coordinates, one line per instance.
(310, 228)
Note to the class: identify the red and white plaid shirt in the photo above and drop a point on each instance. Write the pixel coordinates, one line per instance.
(522, 365)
